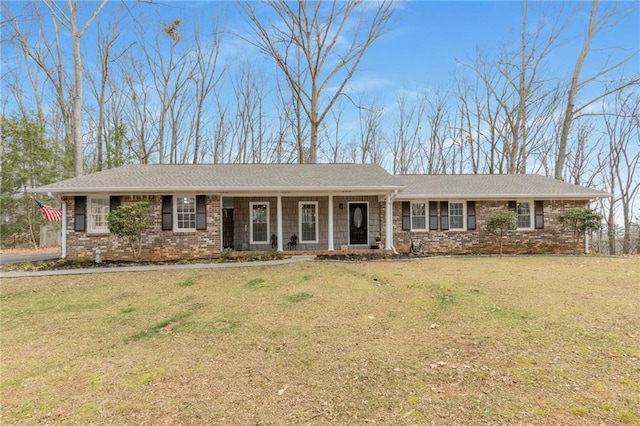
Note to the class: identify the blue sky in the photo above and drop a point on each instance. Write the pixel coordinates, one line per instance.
(425, 45)
(430, 38)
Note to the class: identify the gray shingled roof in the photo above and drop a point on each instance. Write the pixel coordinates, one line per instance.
(492, 187)
(140, 178)
(309, 178)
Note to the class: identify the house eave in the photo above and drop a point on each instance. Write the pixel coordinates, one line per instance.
(573, 196)
(233, 190)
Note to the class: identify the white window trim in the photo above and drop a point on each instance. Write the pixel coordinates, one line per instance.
(426, 215)
(464, 214)
(300, 204)
(89, 219)
(175, 212)
(532, 215)
(258, 203)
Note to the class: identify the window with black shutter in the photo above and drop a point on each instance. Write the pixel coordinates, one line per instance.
(80, 214)
(539, 212)
(406, 216)
(471, 215)
(114, 202)
(433, 215)
(444, 215)
(201, 212)
(167, 212)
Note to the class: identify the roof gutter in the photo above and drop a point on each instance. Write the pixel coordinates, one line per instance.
(573, 196)
(216, 189)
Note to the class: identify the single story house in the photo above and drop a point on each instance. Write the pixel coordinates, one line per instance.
(197, 211)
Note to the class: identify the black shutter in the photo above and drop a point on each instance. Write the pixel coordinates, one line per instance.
(201, 212)
(444, 215)
(471, 215)
(433, 215)
(80, 214)
(167, 212)
(406, 216)
(513, 206)
(539, 214)
(114, 202)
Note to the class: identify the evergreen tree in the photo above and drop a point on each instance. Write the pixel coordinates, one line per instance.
(27, 160)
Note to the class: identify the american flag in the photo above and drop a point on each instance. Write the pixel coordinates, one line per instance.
(50, 213)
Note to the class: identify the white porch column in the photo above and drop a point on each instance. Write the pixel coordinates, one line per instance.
(388, 244)
(330, 247)
(63, 237)
(279, 232)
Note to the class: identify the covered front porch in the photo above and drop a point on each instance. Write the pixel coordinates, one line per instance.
(307, 223)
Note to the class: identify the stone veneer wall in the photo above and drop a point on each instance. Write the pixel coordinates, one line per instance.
(157, 244)
(552, 239)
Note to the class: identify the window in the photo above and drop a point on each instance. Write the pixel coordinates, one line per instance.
(185, 214)
(456, 215)
(98, 211)
(259, 222)
(309, 222)
(418, 216)
(523, 210)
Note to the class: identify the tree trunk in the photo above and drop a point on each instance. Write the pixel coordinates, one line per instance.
(569, 111)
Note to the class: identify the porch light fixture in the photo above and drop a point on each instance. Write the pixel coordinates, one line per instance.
(341, 206)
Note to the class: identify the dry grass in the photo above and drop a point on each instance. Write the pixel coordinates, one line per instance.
(517, 340)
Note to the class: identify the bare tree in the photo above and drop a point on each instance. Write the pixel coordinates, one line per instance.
(137, 107)
(583, 156)
(47, 55)
(68, 18)
(334, 136)
(170, 70)
(206, 76)
(518, 99)
(106, 43)
(406, 140)
(16, 65)
(371, 136)
(599, 22)
(317, 32)
(249, 92)
(221, 133)
(622, 130)
(437, 123)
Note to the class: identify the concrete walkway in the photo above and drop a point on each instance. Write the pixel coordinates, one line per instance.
(19, 258)
(144, 268)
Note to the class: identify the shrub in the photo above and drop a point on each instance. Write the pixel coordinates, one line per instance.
(128, 222)
(580, 220)
(500, 222)
(226, 254)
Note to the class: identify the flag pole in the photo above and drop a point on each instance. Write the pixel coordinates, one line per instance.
(63, 229)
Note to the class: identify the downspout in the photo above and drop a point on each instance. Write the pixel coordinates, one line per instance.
(389, 211)
(63, 239)
(586, 242)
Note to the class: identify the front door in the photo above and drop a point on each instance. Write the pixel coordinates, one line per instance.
(358, 224)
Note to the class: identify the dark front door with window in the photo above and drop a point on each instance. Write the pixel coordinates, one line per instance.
(358, 224)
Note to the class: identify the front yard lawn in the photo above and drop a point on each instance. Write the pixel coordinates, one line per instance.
(446, 341)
